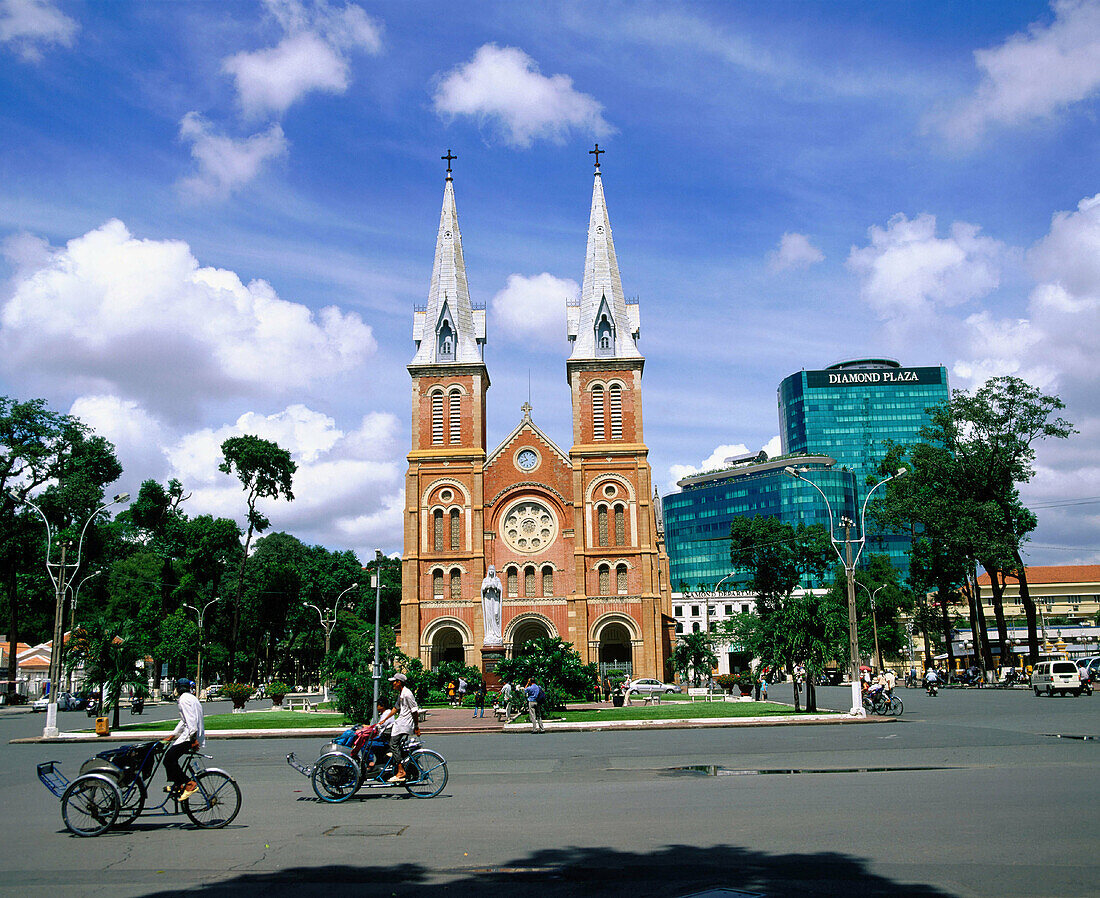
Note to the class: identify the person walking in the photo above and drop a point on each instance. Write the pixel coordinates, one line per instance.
(189, 735)
(534, 694)
(479, 700)
(451, 693)
(461, 690)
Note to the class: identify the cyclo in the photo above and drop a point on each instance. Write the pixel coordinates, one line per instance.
(112, 788)
(343, 767)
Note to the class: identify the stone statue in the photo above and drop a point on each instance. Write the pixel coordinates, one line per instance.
(491, 607)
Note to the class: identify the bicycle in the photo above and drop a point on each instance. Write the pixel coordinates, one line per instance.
(883, 704)
(341, 770)
(111, 790)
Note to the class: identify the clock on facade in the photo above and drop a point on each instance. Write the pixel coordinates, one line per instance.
(527, 459)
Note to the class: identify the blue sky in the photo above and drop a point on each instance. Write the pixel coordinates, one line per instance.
(216, 218)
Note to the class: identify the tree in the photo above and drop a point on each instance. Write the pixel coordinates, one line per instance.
(777, 556)
(694, 652)
(556, 666)
(266, 471)
(113, 656)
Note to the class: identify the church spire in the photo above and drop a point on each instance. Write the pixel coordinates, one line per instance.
(603, 324)
(448, 328)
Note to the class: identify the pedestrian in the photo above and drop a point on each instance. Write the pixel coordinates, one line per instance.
(479, 700)
(451, 693)
(534, 696)
(764, 685)
(461, 690)
(891, 681)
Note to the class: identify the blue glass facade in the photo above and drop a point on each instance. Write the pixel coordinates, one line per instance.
(849, 410)
(698, 518)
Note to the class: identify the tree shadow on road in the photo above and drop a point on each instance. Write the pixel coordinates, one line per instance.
(675, 870)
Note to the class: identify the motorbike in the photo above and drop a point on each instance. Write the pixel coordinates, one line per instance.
(137, 705)
(932, 687)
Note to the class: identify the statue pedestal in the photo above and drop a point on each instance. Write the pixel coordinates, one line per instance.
(491, 655)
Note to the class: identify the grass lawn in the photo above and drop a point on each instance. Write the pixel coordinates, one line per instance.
(680, 711)
(260, 720)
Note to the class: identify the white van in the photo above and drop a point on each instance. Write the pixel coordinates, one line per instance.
(1056, 676)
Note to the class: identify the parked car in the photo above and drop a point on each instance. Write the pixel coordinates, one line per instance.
(645, 686)
(67, 701)
(40, 704)
(1056, 676)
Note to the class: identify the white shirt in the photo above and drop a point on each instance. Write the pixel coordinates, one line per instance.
(191, 725)
(407, 709)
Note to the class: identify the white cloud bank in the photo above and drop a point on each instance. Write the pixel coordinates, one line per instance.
(314, 55)
(1034, 75)
(31, 25)
(794, 251)
(141, 319)
(533, 307)
(226, 164)
(717, 459)
(502, 86)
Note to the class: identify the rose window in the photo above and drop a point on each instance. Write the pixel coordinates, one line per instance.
(529, 527)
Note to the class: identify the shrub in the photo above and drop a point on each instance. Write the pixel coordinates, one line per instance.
(277, 689)
(354, 696)
(238, 693)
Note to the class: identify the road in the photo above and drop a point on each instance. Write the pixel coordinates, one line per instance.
(971, 793)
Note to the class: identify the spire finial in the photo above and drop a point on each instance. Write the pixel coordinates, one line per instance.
(596, 152)
(450, 157)
(526, 409)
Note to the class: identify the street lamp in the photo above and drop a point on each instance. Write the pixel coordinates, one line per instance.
(201, 615)
(376, 671)
(874, 620)
(61, 574)
(72, 615)
(328, 624)
(849, 563)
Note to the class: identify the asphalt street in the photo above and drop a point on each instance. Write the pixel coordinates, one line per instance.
(972, 793)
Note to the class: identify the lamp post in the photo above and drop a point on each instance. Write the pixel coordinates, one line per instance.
(909, 633)
(61, 575)
(849, 561)
(328, 624)
(72, 617)
(874, 620)
(376, 671)
(201, 615)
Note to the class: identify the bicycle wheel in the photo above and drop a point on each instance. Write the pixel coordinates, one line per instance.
(868, 705)
(431, 773)
(896, 707)
(216, 801)
(335, 778)
(133, 803)
(90, 805)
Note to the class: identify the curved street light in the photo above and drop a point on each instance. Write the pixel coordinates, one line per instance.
(328, 624)
(61, 574)
(201, 615)
(874, 619)
(849, 562)
(72, 615)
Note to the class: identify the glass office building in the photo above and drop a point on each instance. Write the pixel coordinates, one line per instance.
(849, 410)
(698, 518)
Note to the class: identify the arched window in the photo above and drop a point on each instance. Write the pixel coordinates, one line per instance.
(601, 525)
(437, 584)
(620, 579)
(605, 580)
(456, 584)
(529, 582)
(695, 627)
(604, 336)
(446, 342)
(455, 402)
(615, 395)
(679, 626)
(437, 417)
(513, 582)
(547, 581)
(437, 530)
(456, 535)
(620, 526)
(597, 412)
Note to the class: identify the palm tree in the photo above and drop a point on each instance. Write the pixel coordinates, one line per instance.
(113, 655)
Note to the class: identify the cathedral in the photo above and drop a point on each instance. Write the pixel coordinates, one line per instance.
(575, 536)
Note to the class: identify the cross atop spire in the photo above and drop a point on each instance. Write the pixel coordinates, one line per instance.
(526, 409)
(596, 152)
(450, 157)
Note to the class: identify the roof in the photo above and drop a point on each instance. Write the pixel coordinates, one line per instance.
(1055, 573)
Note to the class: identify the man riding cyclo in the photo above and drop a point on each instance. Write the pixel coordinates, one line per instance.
(189, 735)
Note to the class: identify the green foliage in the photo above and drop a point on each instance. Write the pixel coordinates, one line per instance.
(556, 666)
(777, 556)
(238, 693)
(694, 654)
(277, 689)
(729, 682)
(112, 654)
(355, 696)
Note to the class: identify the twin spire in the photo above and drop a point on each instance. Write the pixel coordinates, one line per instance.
(601, 325)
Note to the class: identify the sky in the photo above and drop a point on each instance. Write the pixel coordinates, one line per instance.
(216, 218)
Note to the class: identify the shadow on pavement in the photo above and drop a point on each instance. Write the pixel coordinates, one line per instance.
(676, 870)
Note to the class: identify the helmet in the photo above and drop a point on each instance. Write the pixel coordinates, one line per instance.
(183, 684)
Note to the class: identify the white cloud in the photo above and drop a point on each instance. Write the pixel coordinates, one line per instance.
(908, 272)
(774, 447)
(140, 319)
(716, 460)
(1033, 75)
(226, 164)
(31, 25)
(533, 306)
(503, 86)
(313, 55)
(794, 251)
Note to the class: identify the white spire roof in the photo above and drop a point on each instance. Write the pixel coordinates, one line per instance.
(602, 294)
(448, 307)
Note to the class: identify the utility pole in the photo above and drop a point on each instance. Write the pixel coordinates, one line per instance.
(376, 673)
(853, 631)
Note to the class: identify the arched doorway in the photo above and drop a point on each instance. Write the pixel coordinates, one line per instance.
(447, 646)
(615, 645)
(526, 631)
